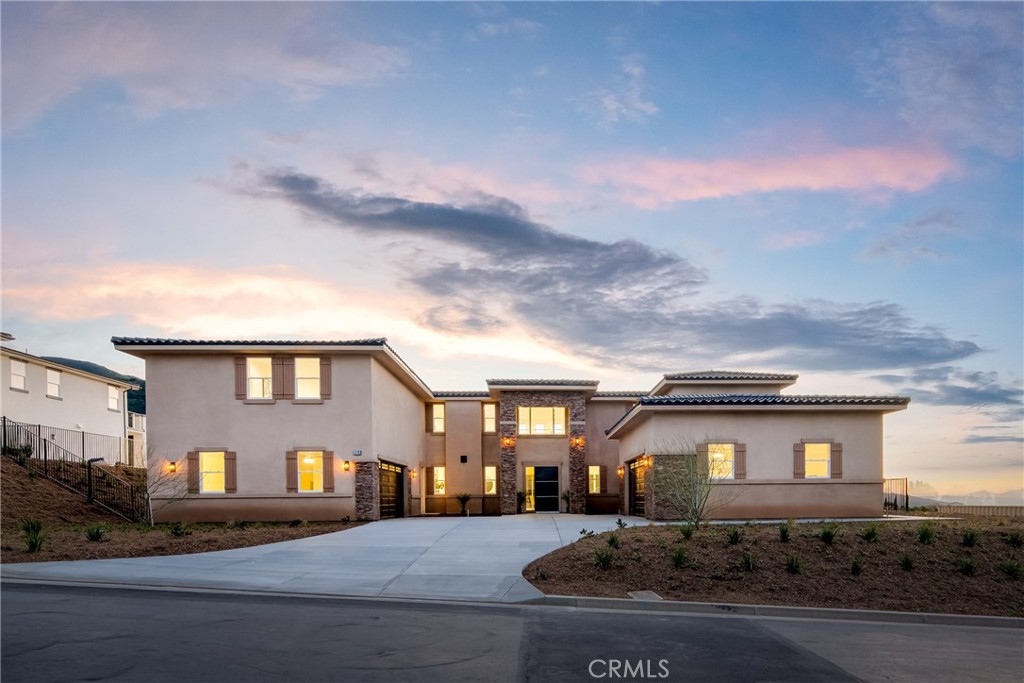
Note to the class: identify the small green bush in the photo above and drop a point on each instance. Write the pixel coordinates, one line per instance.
(906, 562)
(966, 566)
(613, 540)
(687, 531)
(679, 558)
(828, 533)
(870, 533)
(793, 565)
(604, 557)
(970, 538)
(619, 523)
(925, 534)
(735, 535)
(586, 533)
(1015, 539)
(297, 523)
(1012, 568)
(179, 530)
(31, 526)
(747, 562)
(33, 530)
(857, 566)
(95, 532)
(784, 532)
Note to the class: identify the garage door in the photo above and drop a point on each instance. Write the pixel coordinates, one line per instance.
(390, 490)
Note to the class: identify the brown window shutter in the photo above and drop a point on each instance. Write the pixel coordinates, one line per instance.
(328, 469)
(277, 376)
(291, 464)
(240, 392)
(429, 486)
(604, 478)
(702, 458)
(325, 377)
(798, 461)
(740, 464)
(192, 470)
(288, 378)
(230, 473)
(837, 461)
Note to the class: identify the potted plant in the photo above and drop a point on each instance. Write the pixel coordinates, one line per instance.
(463, 499)
(520, 499)
(567, 497)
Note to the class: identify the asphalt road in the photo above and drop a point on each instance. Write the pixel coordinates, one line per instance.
(64, 633)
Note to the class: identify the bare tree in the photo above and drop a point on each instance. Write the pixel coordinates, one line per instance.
(685, 482)
(164, 485)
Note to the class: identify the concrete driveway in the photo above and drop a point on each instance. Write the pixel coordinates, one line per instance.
(460, 558)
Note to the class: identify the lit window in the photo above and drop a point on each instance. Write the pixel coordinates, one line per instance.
(490, 418)
(490, 480)
(542, 421)
(817, 460)
(311, 471)
(53, 383)
(18, 370)
(307, 378)
(258, 378)
(437, 418)
(594, 479)
(439, 483)
(721, 460)
(113, 398)
(211, 472)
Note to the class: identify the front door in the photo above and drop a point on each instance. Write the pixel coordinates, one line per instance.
(637, 473)
(390, 491)
(545, 489)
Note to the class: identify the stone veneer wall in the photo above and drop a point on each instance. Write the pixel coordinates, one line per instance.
(508, 403)
(367, 491)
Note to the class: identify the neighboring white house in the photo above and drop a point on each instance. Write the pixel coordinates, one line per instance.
(80, 411)
(284, 430)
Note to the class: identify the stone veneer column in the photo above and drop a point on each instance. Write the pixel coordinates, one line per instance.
(508, 477)
(367, 491)
(577, 471)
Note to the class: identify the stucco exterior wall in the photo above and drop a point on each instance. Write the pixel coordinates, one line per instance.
(600, 449)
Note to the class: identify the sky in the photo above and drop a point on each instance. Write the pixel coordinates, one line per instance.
(606, 191)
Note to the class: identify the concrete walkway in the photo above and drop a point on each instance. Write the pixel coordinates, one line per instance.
(457, 558)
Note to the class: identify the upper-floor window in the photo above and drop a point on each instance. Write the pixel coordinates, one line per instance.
(258, 378)
(721, 460)
(817, 460)
(113, 398)
(18, 370)
(307, 378)
(490, 418)
(53, 383)
(542, 420)
(436, 422)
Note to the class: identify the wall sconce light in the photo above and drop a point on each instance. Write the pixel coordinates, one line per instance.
(508, 441)
(346, 465)
(578, 441)
(172, 467)
(412, 474)
(621, 470)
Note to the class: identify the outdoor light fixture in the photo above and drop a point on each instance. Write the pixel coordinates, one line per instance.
(172, 467)
(346, 465)
(621, 470)
(578, 441)
(412, 474)
(508, 441)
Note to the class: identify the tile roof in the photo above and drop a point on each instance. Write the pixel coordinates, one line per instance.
(544, 382)
(770, 399)
(619, 394)
(729, 375)
(151, 341)
(461, 394)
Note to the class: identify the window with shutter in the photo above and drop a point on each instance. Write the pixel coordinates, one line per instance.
(837, 461)
(192, 471)
(740, 467)
(817, 460)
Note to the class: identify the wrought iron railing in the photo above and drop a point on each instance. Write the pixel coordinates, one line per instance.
(83, 444)
(73, 471)
(895, 494)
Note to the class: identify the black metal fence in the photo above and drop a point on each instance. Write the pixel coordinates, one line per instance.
(77, 472)
(83, 444)
(895, 494)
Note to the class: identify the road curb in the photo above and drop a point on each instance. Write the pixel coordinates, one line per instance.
(680, 607)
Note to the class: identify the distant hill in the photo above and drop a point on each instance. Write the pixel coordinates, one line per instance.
(136, 397)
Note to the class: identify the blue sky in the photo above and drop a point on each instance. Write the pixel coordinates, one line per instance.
(608, 190)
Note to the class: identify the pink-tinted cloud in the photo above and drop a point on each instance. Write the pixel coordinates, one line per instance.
(650, 183)
(792, 240)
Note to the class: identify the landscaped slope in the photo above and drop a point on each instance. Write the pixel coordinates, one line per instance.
(23, 496)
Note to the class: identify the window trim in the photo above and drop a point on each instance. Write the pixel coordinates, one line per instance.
(497, 481)
(116, 398)
(432, 418)
(49, 383)
(194, 471)
(590, 479)
(268, 380)
(432, 480)
(530, 423)
(483, 417)
(23, 375)
(318, 398)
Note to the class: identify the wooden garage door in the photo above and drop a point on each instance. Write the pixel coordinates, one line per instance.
(390, 490)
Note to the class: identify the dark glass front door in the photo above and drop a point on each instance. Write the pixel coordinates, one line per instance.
(545, 489)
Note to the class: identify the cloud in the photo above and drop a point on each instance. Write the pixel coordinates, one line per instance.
(624, 100)
(947, 385)
(650, 183)
(161, 55)
(954, 69)
(792, 240)
(620, 302)
(975, 438)
(914, 239)
(520, 27)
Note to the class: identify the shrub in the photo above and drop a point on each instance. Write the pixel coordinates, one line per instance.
(925, 534)
(828, 533)
(346, 519)
(539, 574)
(1015, 539)
(747, 562)
(679, 558)
(793, 565)
(586, 533)
(297, 523)
(179, 529)
(20, 453)
(31, 526)
(1012, 568)
(619, 523)
(784, 532)
(970, 538)
(870, 533)
(604, 557)
(613, 540)
(240, 524)
(857, 566)
(906, 562)
(95, 532)
(966, 566)
(687, 531)
(735, 535)
(33, 529)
